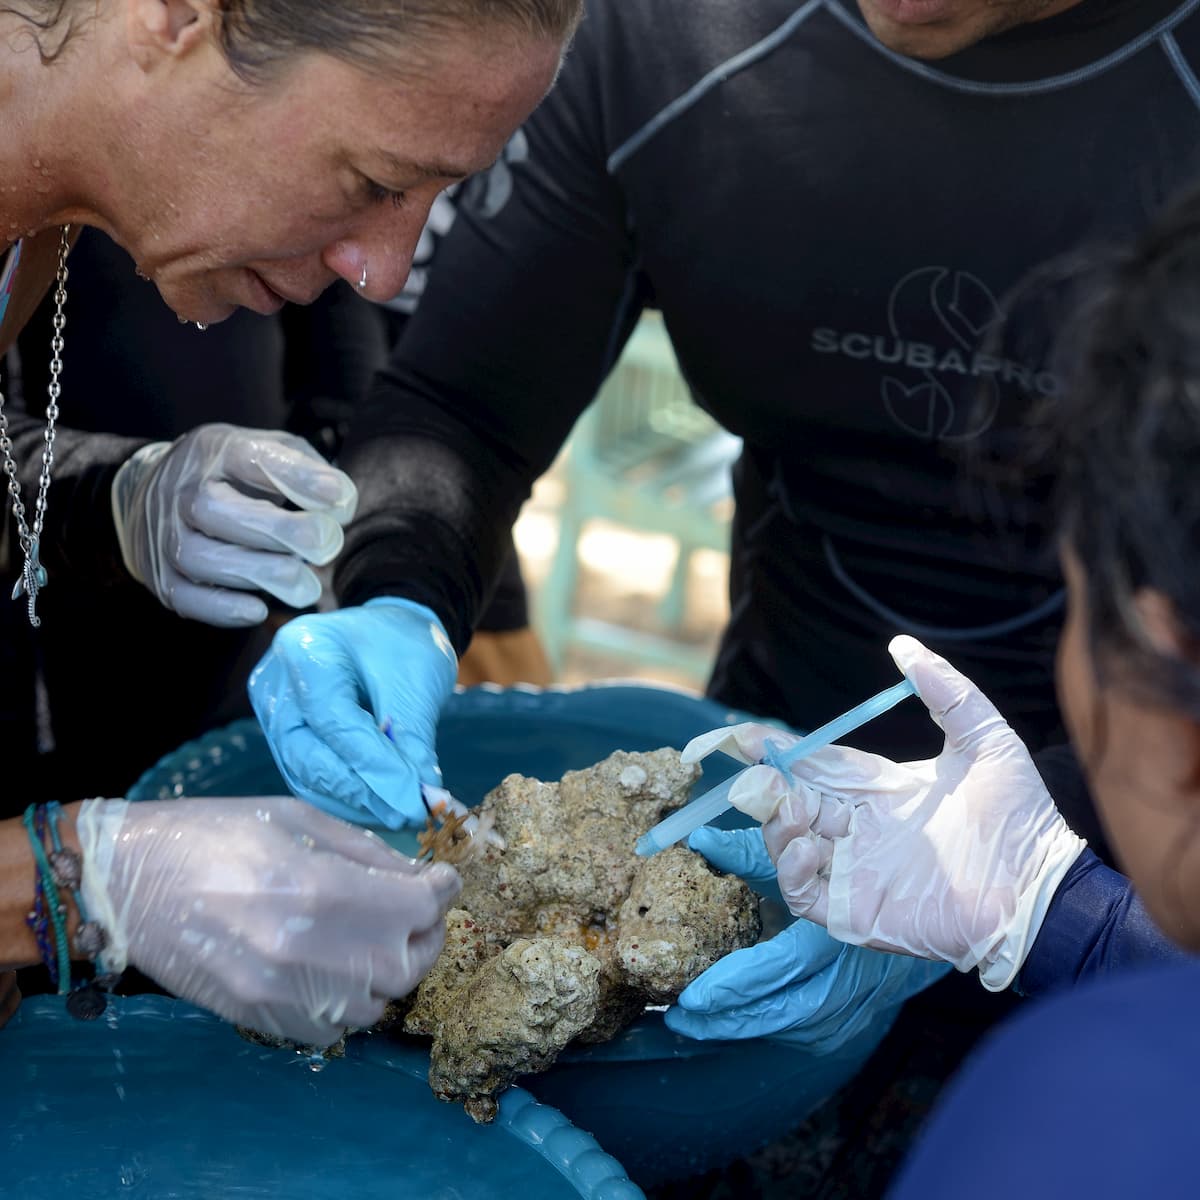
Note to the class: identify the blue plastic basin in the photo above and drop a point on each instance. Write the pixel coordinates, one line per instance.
(665, 1106)
(158, 1099)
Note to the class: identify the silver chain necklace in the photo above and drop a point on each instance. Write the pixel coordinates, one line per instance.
(33, 574)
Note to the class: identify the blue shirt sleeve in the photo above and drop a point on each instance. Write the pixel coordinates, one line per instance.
(1087, 1094)
(1095, 926)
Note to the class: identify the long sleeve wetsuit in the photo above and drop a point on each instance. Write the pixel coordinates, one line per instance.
(830, 231)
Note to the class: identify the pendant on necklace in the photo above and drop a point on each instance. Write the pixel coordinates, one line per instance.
(33, 579)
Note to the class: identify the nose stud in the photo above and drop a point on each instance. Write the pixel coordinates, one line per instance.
(362, 279)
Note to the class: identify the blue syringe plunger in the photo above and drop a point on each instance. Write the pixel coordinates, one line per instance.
(715, 801)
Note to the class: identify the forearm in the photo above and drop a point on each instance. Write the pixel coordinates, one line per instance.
(18, 884)
(1095, 926)
(434, 525)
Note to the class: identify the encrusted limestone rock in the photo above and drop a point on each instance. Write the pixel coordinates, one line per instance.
(678, 919)
(467, 948)
(566, 933)
(514, 1015)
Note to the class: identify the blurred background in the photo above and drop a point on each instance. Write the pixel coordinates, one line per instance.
(623, 545)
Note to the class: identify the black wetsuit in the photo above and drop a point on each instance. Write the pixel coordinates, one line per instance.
(125, 679)
(829, 231)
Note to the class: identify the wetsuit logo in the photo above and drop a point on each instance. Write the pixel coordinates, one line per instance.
(498, 180)
(489, 191)
(441, 218)
(966, 311)
(950, 388)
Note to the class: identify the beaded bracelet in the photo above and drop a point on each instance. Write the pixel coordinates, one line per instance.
(38, 920)
(63, 868)
(67, 867)
(60, 974)
(88, 999)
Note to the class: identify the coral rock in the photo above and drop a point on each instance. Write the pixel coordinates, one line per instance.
(518, 1011)
(566, 933)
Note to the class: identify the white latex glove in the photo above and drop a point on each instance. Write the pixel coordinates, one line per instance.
(269, 912)
(955, 858)
(202, 521)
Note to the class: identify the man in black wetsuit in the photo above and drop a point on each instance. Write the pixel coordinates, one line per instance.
(830, 207)
(829, 228)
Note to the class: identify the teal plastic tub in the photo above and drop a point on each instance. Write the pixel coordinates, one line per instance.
(159, 1100)
(663, 1105)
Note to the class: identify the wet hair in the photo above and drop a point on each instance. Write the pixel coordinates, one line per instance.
(257, 35)
(1122, 445)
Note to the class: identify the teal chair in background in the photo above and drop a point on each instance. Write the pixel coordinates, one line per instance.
(646, 457)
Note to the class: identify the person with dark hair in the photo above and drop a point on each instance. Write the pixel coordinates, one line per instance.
(959, 859)
(244, 153)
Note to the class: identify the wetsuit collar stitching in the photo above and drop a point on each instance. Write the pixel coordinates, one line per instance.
(718, 75)
(1032, 88)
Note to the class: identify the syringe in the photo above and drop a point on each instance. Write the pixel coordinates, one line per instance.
(715, 801)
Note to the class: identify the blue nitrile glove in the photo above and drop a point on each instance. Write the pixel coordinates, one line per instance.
(801, 986)
(349, 702)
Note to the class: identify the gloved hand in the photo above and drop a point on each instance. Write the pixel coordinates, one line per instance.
(955, 858)
(800, 986)
(262, 909)
(201, 521)
(308, 692)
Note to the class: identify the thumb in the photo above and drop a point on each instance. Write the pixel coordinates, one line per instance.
(311, 483)
(745, 742)
(963, 712)
(797, 955)
(740, 852)
(295, 470)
